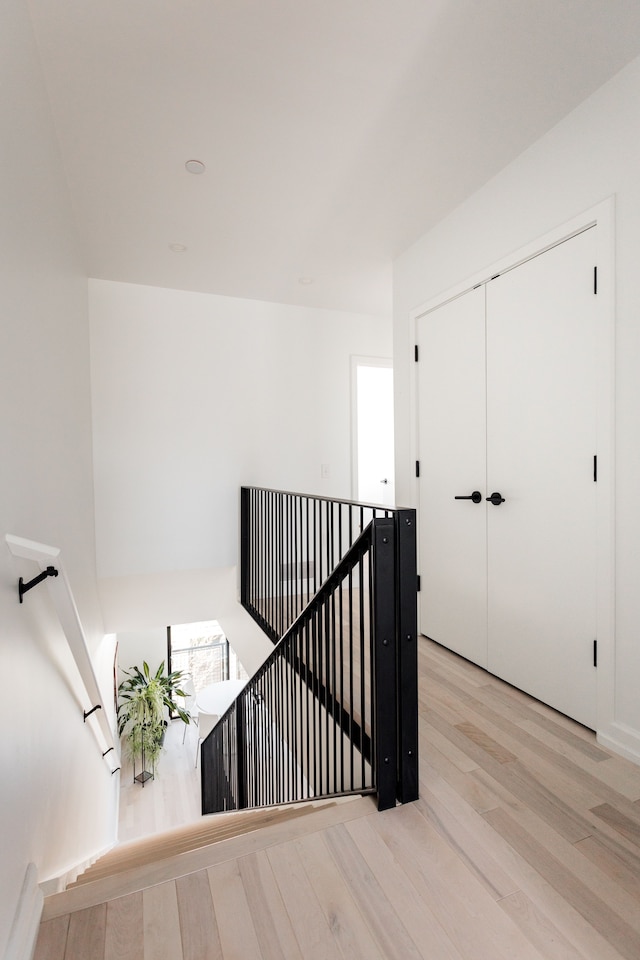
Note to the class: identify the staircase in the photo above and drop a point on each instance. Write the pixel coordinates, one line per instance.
(139, 864)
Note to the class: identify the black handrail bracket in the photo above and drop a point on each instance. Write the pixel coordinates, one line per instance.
(24, 587)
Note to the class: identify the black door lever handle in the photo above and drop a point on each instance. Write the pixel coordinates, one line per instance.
(476, 496)
(496, 499)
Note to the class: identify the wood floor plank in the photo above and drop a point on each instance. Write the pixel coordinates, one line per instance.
(624, 938)
(435, 739)
(614, 772)
(51, 942)
(551, 943)
(550, 768)
(455, 665)
(615, 860)
(379, 913)
(310, 926)
(485, 742)
(469, 848)
(161, 921)
(625, 825)
(592, 778)
(515, 778)
(124, 935)
(518, 707)
(553, 910)
(198, 925)
(349, 928)
(270, 918)
(478, 794)
(235, 925)
(600, 882)
(414, 913)
(469, 915)
(86, 934)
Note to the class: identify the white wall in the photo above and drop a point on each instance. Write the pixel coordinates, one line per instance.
(56, 795)
(194, 395)
(592, 154)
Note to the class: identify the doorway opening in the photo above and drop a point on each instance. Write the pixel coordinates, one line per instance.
(372, 425)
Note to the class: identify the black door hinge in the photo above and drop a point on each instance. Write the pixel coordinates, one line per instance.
(595, 653)
(417, 468)
(595, 468)
(418, 583)
(595, 279)
(415, 353)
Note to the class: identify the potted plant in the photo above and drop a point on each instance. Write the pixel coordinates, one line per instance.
(142, 699)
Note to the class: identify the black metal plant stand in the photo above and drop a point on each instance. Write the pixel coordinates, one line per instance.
(144, 775)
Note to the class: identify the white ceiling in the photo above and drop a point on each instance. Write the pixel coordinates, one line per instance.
(334, 132)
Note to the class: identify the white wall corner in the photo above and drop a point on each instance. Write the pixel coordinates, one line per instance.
(24, 930)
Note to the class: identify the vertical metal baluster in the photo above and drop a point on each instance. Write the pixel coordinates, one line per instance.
(272, 730)
(300, 554)
(307, 766)
(276, 746)
(352, 705)
(307, 552)
(334, 690)
(257, 735)
(270, 769)
(282, 713)
(286, 694)
(325, 682)
(269, 541)
(363, 711)
(264, 539)
(289, 560)
(321, 577)
(341, 653)
(295, 663)
(315, 702)
(276, 561)
(330, 538)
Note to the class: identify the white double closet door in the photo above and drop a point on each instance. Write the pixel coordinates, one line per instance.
(507, 405)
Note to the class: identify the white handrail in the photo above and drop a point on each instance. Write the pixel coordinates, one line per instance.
(65, 605)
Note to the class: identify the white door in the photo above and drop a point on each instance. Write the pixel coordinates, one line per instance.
(538, 546)
(374, 467)
(452, 417)
(541, 440)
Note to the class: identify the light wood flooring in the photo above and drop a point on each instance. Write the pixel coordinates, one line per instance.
(524, 845)
(172, 799)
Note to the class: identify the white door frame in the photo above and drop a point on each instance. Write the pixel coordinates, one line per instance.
(602, 215)
(358, 361)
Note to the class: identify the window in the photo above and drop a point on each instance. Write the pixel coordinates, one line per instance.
(203, 651)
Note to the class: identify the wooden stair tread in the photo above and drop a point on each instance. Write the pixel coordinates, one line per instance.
(211, 829)
(133, 878)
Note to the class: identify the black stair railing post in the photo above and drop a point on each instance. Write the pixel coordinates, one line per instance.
(241, 798)
(245, 557)
(384, 663)
(406, 600)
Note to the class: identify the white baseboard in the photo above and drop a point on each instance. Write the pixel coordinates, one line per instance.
(24, 930)
(621, 739)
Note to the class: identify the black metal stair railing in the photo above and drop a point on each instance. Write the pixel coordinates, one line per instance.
(291, 542)
(333, 710)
